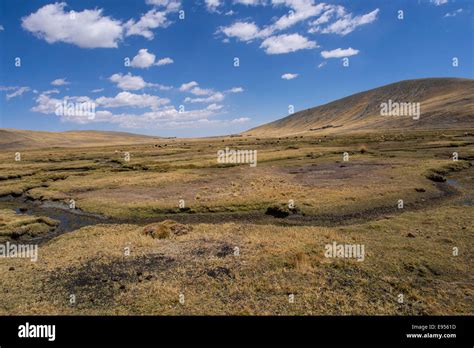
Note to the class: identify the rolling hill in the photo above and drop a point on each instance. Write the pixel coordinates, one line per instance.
(16, 139)
(445, 103)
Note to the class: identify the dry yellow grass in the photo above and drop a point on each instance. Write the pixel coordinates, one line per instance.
(247, 262)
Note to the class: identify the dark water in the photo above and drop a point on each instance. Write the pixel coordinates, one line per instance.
(69, 219)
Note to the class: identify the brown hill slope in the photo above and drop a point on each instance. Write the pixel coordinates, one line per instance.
(445, 103)
(14, 138)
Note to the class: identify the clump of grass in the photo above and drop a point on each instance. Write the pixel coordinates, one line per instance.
(435, 177)
(302, 262)
(166, 229)
(438, 174)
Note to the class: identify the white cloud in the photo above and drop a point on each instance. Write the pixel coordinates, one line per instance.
(439, 2)
(165, 61)
(250, 2)
(236, 90)
(240, 120)
(8, 88)
(454, 13)
(289, 76)
(170, 5)
(51, 91)
(59, 82)
(97, 90)
(143, 59)
(339, 53)
(134, 82)
(201, 91)
(2, 28)
(127, 99)
(320, 65)
(161, 115)
(187, 86)
(286, 43)
(212, 5)
(243, 31)
(18, 92)
(214, 98)
(324, 18)
(348, 24)
(301, 11)
(47, 105)
(86, 29)
(167, 117)
(151, 20)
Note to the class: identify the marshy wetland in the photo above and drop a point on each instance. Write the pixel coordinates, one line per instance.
(164, 228)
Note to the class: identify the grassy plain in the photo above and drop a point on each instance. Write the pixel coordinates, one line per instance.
(242, 250)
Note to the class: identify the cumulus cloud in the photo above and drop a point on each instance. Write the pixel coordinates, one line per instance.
(86, 29)
(143, 59)
(321, 17)
(167, 117)
(347, 24)
(134, 82)
(169, 5)
(127, 99)
(286, 43)
(59, 82)
(301, 11)
(128, 82)
(151, 20)
(339, 53)
(289, 76)
(187, 86)
(165, 61)
(243, 31)
(214, 98)
(212, 5)
(48, 105)
(205, 95)
(159, 116)
(92, 29)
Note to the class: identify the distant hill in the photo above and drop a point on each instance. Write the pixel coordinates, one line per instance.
(13, 138)
(445, 103)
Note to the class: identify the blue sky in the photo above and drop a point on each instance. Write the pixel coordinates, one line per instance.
(181, 80)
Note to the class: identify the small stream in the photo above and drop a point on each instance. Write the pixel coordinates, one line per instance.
(69, 219)
(74, 219)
